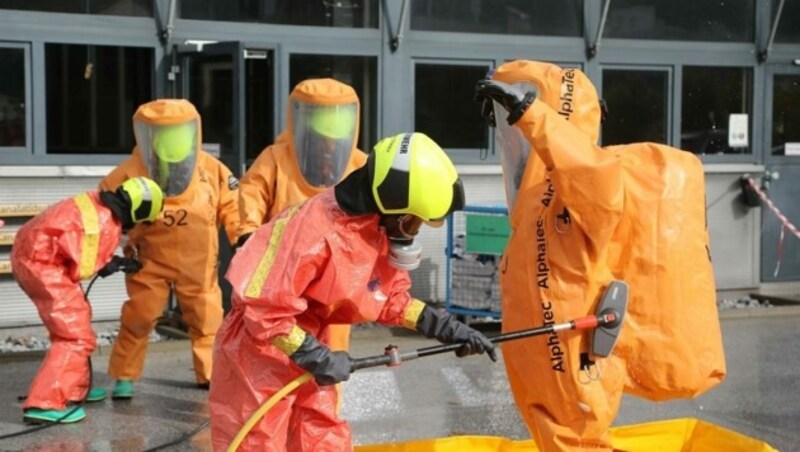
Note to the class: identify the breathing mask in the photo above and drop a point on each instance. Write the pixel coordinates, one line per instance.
(404, 253)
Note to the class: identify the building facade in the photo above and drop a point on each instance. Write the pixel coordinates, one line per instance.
(719, 79)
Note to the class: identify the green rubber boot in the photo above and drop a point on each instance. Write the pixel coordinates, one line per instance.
(96, 395)
(38, 416)
(123, 390)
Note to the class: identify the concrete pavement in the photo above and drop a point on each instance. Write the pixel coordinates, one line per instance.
(430, 397)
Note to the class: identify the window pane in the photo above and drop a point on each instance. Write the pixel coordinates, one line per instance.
(324, 13)
(211, 92)
(788, 31)
(710, 96)
(359, 72)
(786, 114)
(537, 17)
(443, 106)
(637, 106)
(92, 93)
(682, 20)
(12, 97)
(105, 7)
(259, 106)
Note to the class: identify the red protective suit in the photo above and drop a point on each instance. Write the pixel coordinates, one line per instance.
(181, 248)
(52, 253)
(311, 266)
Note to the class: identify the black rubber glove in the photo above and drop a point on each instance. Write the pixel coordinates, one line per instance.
(448, 330)
(120, 264)
(327, 367)
(241, 240)
(513, 100)
(129, 265)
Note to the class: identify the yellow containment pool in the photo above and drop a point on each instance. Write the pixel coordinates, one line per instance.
(677, 435)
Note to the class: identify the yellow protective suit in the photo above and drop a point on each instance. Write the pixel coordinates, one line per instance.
(274, 182)
(180, 249)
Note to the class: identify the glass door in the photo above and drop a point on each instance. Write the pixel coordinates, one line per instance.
(232, 86)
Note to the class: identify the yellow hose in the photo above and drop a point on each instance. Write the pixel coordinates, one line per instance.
(262, 410)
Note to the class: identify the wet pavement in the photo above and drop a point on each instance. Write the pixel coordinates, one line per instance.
(430, 397)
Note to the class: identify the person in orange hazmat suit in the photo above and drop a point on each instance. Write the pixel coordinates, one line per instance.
(69, 242)
(672, 343)
(669, 347)
(339, 257)
(180, 249)
(564, 204)
(317, 149)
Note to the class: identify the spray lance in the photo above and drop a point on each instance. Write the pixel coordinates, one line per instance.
(606, 323)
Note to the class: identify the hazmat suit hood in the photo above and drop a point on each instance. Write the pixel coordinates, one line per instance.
(168, 137)
(567, 90)
(323, 123)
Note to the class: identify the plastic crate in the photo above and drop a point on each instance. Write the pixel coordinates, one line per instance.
(486, 233)
(477, 237)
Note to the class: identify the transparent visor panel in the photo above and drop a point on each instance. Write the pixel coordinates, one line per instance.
(169, 152)
(324, 137)
(513, 147)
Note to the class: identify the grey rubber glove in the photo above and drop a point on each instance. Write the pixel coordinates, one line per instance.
(511, 98)
(448, 330)
(327, 367)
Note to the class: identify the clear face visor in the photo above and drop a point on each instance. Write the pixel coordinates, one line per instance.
(324, 138)
(513, 147)
(169, 152)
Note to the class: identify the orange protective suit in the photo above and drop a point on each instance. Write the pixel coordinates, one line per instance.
(275, 181)
(568, 204)
(672, 344)
(180, 249)
(636, 211)
(52, 253)
(310, 267)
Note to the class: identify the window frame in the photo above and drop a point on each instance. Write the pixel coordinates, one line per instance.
(757, 105)
(773, 70)
(459, 156)
(26, 48)
(68, 28)
(670, 99)
(678, 54)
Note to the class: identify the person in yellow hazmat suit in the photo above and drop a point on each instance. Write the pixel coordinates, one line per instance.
(180, 249)
(316, 151)
(584, 211)
(564, 205)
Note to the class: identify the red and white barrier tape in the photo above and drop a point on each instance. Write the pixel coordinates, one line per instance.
(785, 223)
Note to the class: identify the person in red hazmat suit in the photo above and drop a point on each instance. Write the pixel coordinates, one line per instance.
(564, 205)
(340, 257)
(69, 242)
(579, 215)
(317, 149)
(180, 249)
